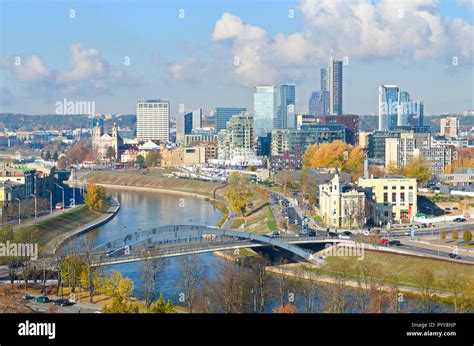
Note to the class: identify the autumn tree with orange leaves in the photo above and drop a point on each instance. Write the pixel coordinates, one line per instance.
(286, 309)
(336, 154)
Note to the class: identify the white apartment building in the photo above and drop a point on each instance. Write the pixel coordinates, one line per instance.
(153, 120)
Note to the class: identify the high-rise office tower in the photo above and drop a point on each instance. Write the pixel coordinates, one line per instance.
(286, 117)
(264, 105)
(324, 80)
(186, 122)
(153, 120)
(236, 142)
(404, 109)
(335, 86)
(223, 115)
(389, 96)
(319, 103)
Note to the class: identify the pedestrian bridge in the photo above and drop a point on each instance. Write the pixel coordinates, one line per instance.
(177, 240)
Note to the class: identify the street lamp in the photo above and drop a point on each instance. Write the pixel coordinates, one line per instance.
(50, 201)
(35, 203)
(62, 194)
(19, 210)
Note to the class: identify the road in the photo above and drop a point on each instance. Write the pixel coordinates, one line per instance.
(81, 307)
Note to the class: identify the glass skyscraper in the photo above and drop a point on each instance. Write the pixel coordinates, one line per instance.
(335, 87)
(389, 98)
(223, 115)
(324, 80)
(319, 103)
(286, 118)
(264, 104)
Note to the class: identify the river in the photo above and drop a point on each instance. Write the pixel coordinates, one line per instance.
(143, 210)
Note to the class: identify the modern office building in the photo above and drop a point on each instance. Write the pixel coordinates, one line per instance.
(335, 87)
(404, 109)
(264, 103)
(324, 80)
(153, 119)
(186, 122)
(449, 127)
(223, 115)
(203, 135)
(319, 103)
(389, 98)
(286, 118)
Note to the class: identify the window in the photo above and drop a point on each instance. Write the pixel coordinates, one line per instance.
(402, 197)
(394, 197)
(385, 197)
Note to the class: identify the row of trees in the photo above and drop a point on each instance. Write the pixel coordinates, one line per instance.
(152, 159)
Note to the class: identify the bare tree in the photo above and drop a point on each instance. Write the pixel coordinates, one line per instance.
(150, 271)
(193, 271)
(261, 282)
(307, 287)
(426, 281)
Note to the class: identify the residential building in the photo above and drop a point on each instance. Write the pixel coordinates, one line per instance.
(449, 127)
(237, 143)
(342, 205)
(186, 123)
(364, 139)
(9, 191)
(264, 104)
(335, 87)
(202, 135)
(291, 141)
(350, 122)
(395, 193)
(153, 119)
(223, 115)
(20, 174)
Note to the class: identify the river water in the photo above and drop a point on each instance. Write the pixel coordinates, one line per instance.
(143, 210)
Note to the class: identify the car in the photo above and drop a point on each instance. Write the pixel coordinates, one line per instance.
(274, 234)
(27, 297)
(302, 233)
(42, 299)
(332, 234)
(394, 243)
(62, 302)
(367, 233)
(384, 241)
(459, 219)
(455, 256)
(311, 233)
(345, 235)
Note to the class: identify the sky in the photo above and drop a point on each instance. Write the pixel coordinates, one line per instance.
(211, 53)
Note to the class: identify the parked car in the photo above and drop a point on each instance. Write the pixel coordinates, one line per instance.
(459, 219)
(368, 233)
(302, 233)
(384, 241)
(332, 234)
(311, 233)
(274, 234)
(27, 297)
(43, 299)
(394, 243)
(62, 302)
(455, 256)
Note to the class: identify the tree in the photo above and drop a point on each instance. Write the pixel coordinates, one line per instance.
(455, 235)
(120, 289)
(95, 197)
(443, 235)
(462, 288)
(336, 154)
(110, 153)
(285, 309)
(467, 237)
(150, 271)
(72, 268)
(419, 170)
(140, 162)
(392, 169)
(162, 307)
(426, 280)
(238, 194)
(153, 158)
(192, 272)
(261, 287)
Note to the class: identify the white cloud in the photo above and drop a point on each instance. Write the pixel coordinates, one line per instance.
(359, 29)
(90, 73)
(190, 69)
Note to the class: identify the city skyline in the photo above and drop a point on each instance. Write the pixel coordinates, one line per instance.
(233, 49)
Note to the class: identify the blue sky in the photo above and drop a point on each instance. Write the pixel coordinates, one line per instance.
(190, 60)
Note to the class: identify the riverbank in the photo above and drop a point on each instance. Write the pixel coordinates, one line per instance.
(52, 247)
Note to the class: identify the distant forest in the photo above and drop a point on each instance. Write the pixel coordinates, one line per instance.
(50, 122)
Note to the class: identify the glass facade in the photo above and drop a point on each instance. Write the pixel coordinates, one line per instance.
(223, 115)
(264, 99)
(286, 111)
(335, 87)
(389, 96)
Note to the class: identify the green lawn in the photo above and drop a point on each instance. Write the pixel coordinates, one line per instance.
(260, 222)
(398, 268)
(71, 219)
